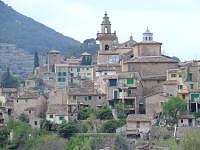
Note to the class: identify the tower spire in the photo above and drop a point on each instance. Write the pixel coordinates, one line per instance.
(105, 14)
(147, 35)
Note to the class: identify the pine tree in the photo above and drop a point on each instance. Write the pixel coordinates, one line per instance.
(36, 60)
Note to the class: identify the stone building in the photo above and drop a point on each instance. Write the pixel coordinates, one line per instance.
(136, 123)
(57, 95)
(148, 61)
(125, 87)
(86, 97)
(58, 113)
(72, 72)
(32, 104)
(4, 111)
(135, 73)
(107, 56)
(182, 81)
(54, 57)
(191, 78)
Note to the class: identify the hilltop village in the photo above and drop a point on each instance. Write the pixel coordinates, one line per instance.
(134, 74)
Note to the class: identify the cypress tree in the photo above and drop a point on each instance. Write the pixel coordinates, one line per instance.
(36, 60)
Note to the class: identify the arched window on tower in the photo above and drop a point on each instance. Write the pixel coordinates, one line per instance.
(106, 47)
(106, 29)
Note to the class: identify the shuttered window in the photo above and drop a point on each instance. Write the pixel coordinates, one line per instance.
(130, 81)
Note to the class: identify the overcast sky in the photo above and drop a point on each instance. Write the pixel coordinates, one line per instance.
(175, 23)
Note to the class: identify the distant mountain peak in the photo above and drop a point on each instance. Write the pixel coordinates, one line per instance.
(30, 35)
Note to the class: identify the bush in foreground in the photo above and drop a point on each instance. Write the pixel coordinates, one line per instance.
(67, 130)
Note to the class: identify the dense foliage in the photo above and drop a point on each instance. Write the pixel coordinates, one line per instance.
(85, 112)
(26, 138)
(191, 140)
(104, 113)
(110, 126)
(24, 118)
(120, 143)
(79, 143)
(67, 130)
(122, 111)
(20, 131)
(173, 106)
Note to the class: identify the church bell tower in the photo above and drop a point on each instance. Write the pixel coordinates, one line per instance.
(106, 39)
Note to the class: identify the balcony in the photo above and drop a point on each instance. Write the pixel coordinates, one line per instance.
(126, 86)
(126, 95)
(130, 106)
(129, 103)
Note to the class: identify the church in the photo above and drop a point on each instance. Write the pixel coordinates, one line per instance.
(142, 62)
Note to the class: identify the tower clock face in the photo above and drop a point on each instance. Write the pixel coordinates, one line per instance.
(106, 47)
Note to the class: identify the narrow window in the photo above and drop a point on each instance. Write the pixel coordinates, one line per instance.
(112, 82)
(191, 86)
(89, 97)
(106, 47)
(190, 76)
(86, 98)
(35, 123)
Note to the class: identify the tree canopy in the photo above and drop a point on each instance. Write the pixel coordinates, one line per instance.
(173, 106)
(67, 129)
(122, 111)
(104, 113)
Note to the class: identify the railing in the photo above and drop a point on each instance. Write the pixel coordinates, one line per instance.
(124, 85)
(130, 106)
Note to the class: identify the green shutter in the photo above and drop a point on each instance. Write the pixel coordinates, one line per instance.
(130, 81)
(195, 96)
(190, 76)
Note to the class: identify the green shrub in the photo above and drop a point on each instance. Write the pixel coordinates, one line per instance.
(24, 118)
(104, 113)
(191, 140)
(79, 143)
(84, 113)
(67, 130)
(110, 126)
(120, 143)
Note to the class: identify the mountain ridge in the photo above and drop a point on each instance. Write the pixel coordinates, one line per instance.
(30, 35)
